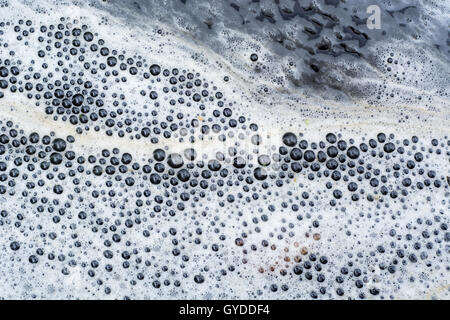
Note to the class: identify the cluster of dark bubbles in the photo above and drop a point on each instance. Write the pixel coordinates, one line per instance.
(77, 87)
(48, 163)
(66, 188)
(339, 162)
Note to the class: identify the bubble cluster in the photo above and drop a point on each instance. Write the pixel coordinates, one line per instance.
(185, 194)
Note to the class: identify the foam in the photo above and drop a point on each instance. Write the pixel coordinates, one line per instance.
(283, 108)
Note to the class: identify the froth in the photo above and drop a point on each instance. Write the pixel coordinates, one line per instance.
(139, 162)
